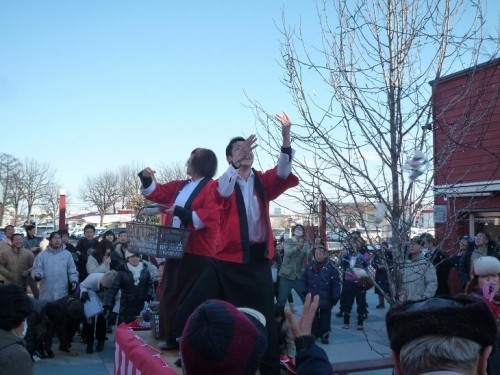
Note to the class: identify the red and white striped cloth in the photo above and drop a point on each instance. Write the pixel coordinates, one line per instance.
(134, 357)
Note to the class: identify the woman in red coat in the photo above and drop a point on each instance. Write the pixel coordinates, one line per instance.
(191, 205)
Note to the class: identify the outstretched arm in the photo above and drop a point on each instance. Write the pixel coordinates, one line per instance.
(311, 359)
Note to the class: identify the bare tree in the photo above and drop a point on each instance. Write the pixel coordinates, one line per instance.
(361, 91)
(51, 202)
(36, 178)
(130, 185)
(10, 168)
(174, 171)
(16, 196)
(102, 191)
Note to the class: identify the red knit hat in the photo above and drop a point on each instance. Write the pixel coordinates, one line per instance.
(220, 339)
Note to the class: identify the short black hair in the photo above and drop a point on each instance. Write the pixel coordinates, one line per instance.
(30, 227)
(15, 306)
(89, 226)
(229, 148)
(63, 232)
(51, 236)
(16, 234)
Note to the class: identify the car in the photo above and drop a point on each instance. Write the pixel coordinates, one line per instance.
(116, 232)
(336, 236)
(279, 234)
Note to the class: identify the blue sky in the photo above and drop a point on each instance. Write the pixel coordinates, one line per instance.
(93, 85)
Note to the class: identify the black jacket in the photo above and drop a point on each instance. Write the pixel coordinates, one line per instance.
(132, 296)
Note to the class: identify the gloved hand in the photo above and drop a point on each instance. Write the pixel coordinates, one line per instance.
(84, 297)
(106, 311)
(186, 216)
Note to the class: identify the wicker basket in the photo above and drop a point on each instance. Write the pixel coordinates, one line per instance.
(155, 240)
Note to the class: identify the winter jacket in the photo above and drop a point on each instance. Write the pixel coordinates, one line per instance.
(29, 242)
(296, 253)
(419, 278)
(323, 280)
(92, 282)
(13, 263)
(132, 297)
(93, 265)
(84, 248)
(14, 358)
(311, 359)
(58, 270)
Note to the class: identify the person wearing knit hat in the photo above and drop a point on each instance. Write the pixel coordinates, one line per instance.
(221, 339)
(486, 282)
(452, 335)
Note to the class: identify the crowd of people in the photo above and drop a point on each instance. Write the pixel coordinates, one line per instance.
(223, 285)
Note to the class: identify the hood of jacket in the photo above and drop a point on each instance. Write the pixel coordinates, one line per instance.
(7, 338)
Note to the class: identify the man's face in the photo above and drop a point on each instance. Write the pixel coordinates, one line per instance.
(32, 231)
(55, 242)
(248, 161)
(415, 248)
(481, 239)
(89, 233)
(122, 237)
(9, 231)
(17, 242)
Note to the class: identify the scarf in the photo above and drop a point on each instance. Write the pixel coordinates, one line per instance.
(136, 272)
(317, 266)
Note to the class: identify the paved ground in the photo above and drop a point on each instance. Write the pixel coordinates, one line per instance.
(345, 345)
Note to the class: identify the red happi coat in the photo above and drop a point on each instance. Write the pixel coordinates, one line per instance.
(201, 241)
(231, 247)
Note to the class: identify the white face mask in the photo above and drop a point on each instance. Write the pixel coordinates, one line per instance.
(298, 233)
(23, 333)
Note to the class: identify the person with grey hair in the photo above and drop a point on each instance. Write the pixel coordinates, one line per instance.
(447, 335)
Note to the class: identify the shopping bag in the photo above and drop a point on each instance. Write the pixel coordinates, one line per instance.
(93, 306)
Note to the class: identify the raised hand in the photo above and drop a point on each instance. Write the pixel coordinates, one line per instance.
(286, 124)
(489, 290)
(304, 325)
(244, 149)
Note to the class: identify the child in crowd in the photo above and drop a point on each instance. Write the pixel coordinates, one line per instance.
(322, 278)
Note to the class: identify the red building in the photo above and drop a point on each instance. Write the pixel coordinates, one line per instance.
(466, 110)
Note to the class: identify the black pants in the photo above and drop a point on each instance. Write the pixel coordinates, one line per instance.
(243, 285)
(179, 278)
(322, 323)
(95, 328)
(350, 292)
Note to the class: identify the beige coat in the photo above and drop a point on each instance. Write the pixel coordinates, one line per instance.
(13, 263)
